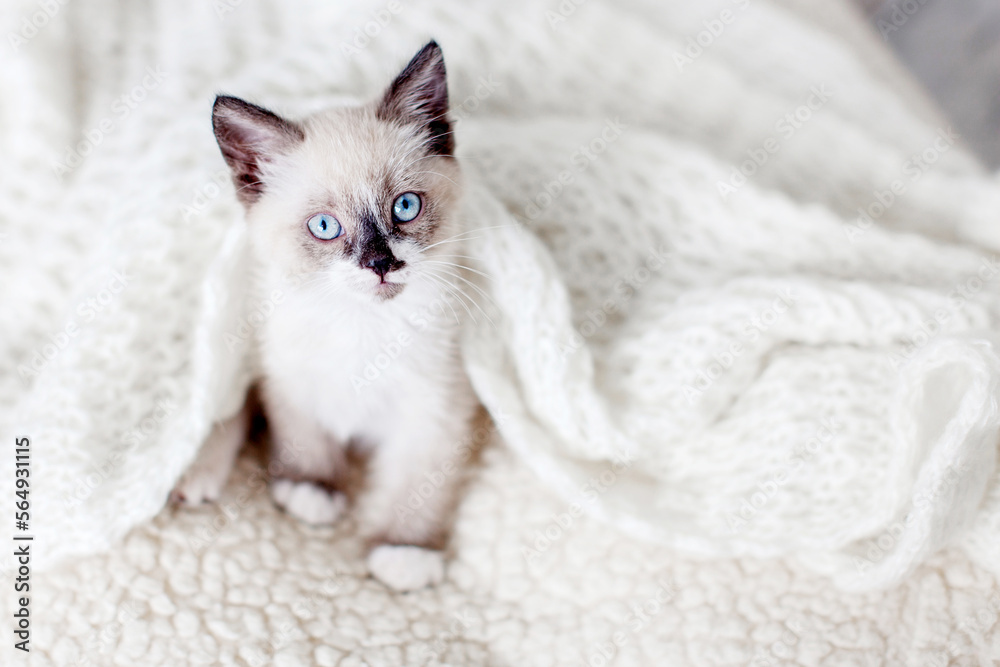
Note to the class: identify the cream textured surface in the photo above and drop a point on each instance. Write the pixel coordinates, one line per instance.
(774, 386)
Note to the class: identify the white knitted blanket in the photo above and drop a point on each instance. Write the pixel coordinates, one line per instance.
(738, 292)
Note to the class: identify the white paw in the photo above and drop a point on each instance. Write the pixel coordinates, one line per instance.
(308, 502)
(200, 484)
(406, 568)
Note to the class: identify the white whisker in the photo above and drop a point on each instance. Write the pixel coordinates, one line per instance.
(450, 291)
(437, 174)
(462, 267)
(458, 237)
(471, 300)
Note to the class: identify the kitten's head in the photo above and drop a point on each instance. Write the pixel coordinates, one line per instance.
(354, 195)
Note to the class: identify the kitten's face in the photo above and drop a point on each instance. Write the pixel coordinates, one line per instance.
(353, 199)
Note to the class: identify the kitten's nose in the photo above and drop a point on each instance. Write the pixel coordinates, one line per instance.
(380, 265)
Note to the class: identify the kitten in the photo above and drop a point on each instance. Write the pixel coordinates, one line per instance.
(358, 205)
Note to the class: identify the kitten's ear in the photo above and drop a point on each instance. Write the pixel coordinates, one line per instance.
(420, 95)
(249, 136)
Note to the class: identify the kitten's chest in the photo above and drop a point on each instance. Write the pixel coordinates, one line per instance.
(352, 368)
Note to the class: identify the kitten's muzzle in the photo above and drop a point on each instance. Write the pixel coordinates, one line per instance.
(377, 255)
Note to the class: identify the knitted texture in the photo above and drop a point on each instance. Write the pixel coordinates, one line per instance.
(684, 327)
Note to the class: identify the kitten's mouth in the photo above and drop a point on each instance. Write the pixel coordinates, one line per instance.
(385, 290)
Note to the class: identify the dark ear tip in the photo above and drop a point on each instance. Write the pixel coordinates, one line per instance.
(222, 103)
(431, 51)
(226, 102)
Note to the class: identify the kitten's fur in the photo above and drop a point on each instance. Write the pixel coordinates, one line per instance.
(338, 314)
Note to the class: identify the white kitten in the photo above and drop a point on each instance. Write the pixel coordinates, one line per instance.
(358, 206)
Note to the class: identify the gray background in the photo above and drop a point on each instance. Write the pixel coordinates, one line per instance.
(953, 47)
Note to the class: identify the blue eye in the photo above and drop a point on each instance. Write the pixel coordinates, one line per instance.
(324, 226)
(406, 207)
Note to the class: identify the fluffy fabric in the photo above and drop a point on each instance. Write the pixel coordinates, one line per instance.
(691, 363)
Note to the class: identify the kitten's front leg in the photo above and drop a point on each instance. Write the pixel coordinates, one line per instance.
(304, 463)
(415, 478)
(204, 480)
